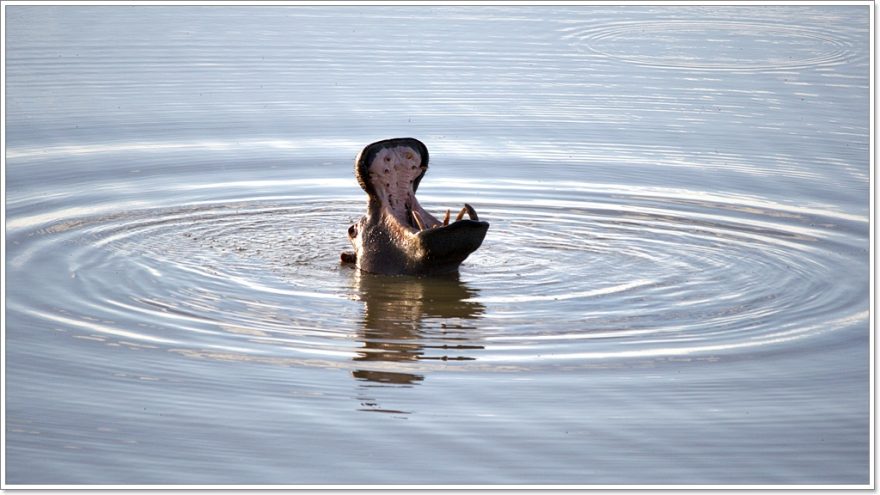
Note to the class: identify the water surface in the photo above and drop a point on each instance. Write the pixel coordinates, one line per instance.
(674, 288)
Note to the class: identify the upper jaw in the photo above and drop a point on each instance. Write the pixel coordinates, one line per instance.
(372, 161)
(390, 172)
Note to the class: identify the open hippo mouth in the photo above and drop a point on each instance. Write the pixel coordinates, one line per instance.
(397, 235)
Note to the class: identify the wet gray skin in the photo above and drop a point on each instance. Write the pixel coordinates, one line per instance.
(397, 236)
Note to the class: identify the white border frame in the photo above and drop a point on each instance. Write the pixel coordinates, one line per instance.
(5, 486)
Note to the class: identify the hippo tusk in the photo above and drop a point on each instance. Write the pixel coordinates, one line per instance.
(472, 213)
(418, 218)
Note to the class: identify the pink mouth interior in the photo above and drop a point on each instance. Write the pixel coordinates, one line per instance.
(392, 174)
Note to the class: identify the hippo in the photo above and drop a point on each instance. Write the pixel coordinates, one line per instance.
(397, 236)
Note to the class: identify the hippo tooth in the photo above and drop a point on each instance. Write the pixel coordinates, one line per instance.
(460, 214)
(418, 220)
(472, 212)
(446, 219)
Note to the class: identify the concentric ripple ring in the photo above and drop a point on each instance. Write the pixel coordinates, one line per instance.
(589, 275)
(712, 45)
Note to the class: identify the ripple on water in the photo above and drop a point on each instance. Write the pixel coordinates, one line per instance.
(720, 45)
(586, 276)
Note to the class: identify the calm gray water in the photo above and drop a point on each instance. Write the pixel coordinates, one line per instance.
(674, 288)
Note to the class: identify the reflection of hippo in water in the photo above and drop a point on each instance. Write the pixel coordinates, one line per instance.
(397, 236)
(412, 319)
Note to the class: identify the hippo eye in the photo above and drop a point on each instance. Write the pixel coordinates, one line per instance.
(387, 159)
(352, 231)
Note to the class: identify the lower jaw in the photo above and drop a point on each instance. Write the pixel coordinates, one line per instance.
(397, 247)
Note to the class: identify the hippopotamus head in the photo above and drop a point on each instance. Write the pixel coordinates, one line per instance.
(397, 236)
